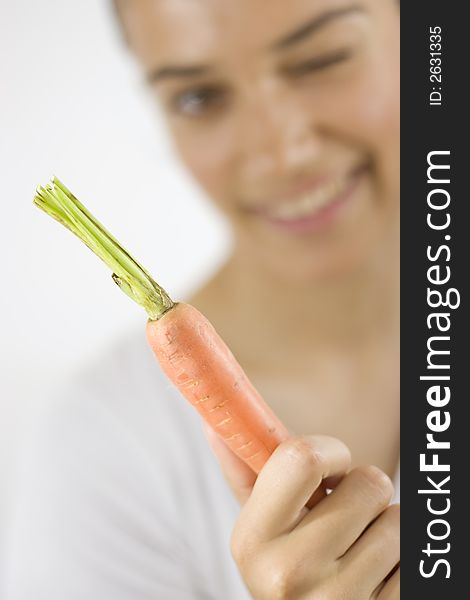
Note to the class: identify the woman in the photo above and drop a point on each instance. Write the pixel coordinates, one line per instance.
(287, 114)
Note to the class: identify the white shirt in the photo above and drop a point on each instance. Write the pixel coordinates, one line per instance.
(120, 496)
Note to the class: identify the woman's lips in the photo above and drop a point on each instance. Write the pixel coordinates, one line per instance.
(313, 209)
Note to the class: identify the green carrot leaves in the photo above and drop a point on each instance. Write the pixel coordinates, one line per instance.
(58, 202)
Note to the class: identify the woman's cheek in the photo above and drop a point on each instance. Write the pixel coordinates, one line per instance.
(208, 157)
(380, 121)
(377, 99)
(370, 111)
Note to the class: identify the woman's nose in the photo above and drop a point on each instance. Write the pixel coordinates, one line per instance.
(277, 134)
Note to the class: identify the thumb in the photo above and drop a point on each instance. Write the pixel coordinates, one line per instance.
(238, 475)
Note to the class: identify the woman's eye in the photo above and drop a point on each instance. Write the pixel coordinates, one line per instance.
(198, 102)
(319, 63)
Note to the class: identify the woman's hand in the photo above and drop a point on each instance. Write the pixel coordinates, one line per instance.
(345, 547)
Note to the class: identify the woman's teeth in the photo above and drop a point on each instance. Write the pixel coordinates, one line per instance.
(308, 203)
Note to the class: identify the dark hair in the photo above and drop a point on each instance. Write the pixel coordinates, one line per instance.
(115, 7)
(116, 10)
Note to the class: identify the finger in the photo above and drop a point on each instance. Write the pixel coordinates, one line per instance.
(238, 475)
(340, 518)
(376, 553)
(292, 473)
(376, 592)
(391, 590)
(322, 490)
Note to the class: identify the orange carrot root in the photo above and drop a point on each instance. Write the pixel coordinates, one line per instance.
(201, 366)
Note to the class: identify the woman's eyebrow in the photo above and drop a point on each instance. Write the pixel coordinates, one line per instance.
(298, 35)
(172, 71)
(314, 25)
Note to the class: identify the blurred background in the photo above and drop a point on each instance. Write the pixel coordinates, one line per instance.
(72, 103)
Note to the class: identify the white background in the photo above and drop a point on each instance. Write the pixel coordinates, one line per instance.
(72, 103)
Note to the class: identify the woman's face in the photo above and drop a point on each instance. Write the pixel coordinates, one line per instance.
(287, 114)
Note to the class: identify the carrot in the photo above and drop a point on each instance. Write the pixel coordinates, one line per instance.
(199, 363)
(188, 348)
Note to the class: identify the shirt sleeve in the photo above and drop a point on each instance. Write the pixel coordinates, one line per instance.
(90, 520)
(119, 497)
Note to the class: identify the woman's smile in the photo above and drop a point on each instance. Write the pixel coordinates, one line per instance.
(286, 114)
(314, 205)
(289, 124)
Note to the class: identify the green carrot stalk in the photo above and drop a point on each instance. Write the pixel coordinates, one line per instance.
(186, 345)
(59, 202)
